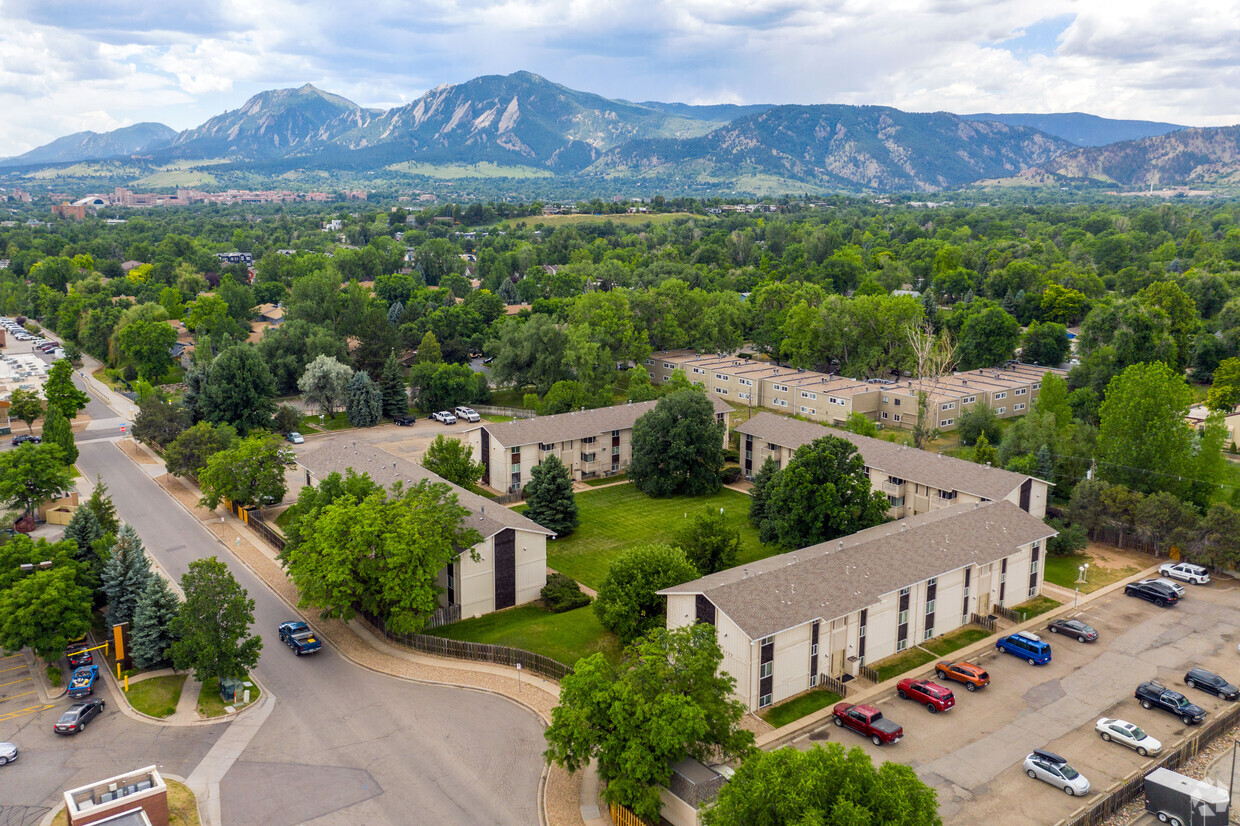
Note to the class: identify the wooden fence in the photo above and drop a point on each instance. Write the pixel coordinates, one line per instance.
(987, 623)
(829, 683)
(1134, 785)
(868, 673)
(623, 817)
(1008, 614)
(473, 651)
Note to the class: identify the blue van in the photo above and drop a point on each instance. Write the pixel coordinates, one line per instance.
(1027, 646)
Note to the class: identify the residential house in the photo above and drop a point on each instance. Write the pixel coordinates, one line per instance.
(915, 481)
(272, 314)
(511, 567)
(590, 443)
(1231, 421)
(833, 607)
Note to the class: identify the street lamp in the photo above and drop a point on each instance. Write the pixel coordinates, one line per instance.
(1083, 570)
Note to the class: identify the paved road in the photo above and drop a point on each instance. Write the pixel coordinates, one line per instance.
(344, 745)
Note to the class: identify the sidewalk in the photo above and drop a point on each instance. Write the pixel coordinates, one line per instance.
(187, 706)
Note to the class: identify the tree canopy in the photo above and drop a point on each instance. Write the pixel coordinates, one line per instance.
(628, 602)
(678, 447)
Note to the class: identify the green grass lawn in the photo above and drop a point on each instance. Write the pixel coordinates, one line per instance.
(210, 704)
(337, 422)
(606, 480)
(1063, 570)
(960, 638)
(565, 637)
(488, 417)
(1037, 605)
(938, 647)
(157, 696)
(284, 518)
(798, 707)
(617, 518)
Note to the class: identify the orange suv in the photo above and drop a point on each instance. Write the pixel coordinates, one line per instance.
(973, 676)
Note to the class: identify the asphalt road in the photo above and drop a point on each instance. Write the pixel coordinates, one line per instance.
(344, 745)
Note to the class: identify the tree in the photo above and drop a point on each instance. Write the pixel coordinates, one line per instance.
(452, 460)
(934, 355)
(381, 553)
(84, 531)
(678, 447)
(984, 453)
(392, 388)
(212, 626)
(363, 403)
(1224, 392)
(60, 390)
(324, 384)
(529, 352)
(860, 424)
(251, 472)
(151, 635)
(666, 700)
(549, 496)
(287, 419)
(640, 388)
(56, 431)
(125, 575)
(627, 600)
(44, 609)
(240, 390)
(148, 344)
(428, 350)
(709, 542)
(563, 397)
(188, 454)
(823, 785)
(988, 338)
(1069, 540)
(101, 506)
(32, 474)
(760, 499)
(1045, 343)
(822, 493)
(26, 406)
(160, 421)
(979, 420)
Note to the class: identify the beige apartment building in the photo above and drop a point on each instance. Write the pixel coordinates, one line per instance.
(511, 564)
(915, 481)
(821, 397)
(784, 621)
(590, 443)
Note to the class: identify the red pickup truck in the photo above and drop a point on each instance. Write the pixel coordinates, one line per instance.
(868, 721)
(933, 696)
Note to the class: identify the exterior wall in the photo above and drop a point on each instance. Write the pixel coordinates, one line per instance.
(531, 549)
(475, 580)
(675, 811)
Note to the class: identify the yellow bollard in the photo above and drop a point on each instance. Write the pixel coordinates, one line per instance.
(118, 671)
(126, 683)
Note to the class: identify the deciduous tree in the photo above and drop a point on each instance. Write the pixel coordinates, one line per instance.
(249, 473)
(627, 601)
(240, 390)
(26, 406)
(188, 454)
(678, 447)
(453, 460)
(1045, 343)
(549, 496)
(1225, 390)
(709, 542)
(44, 610)
(324, 384)
(212, 626)
(32, 474)
(56, 431)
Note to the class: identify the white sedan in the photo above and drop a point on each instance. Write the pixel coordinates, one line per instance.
(1126, 734)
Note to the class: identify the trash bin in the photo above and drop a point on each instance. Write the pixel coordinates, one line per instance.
(230, 688)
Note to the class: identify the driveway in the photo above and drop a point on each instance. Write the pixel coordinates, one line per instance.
(972, 755)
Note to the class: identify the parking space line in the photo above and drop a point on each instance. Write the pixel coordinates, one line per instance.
(15, 682)
(15, 696)
(14, 668)
(11, 715)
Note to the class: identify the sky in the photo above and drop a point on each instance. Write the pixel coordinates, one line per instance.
(72, 65)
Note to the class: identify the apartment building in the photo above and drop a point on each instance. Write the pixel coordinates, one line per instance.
(822, 397)
(830, 608)
(511, 567)
(915, 481)
(590, 443)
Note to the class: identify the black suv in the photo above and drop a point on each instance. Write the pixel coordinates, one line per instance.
(1211, 683)
(1155, 592)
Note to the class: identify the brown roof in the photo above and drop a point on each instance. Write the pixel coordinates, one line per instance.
(385, 469)
(934, 469)
(837, 578)
(563, 427)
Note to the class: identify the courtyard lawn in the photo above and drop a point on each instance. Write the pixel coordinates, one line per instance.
(1063, 570)
(798, 707)
(615, 519)
(565, 637)
(1035, 606)
(156, 696)
(960, 638)
(315, 424)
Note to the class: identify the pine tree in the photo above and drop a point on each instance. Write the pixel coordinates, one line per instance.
(101, 505)
(549, 496)
(125, 575)
(84, 530)
(363, 402)
(508, 292)
(56, 431)
(392, 387)
(151, 635)
(759, 497)
(394, 311)
(1046, 464)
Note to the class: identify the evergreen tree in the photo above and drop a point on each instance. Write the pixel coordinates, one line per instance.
(56, 431)
(101, 506)
(363, 402)
(394, 311)
(508, 292)
(984, 453)
(125, 575)
(84, 530)
(760, 495)
(1046, 464)
(151, 635)
(392, 387)
(195, 388)
(549, 496)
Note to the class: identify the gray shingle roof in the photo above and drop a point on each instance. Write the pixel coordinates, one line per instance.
(563, 427)
(836, 578)
(936, 470)
(385, 469)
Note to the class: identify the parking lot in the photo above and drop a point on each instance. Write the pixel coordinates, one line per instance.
(18, 696)
(973, 753)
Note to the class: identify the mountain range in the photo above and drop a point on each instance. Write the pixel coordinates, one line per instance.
(524, 122)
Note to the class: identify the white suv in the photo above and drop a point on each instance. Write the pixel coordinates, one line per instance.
(468, 414)
(1186, 572)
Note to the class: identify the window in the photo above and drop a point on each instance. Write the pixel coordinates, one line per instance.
(895, 501)
(780, 402)
(720, 377)
(699, 370)
(896, 417)
(948, 406)
(783, 388)
(746, 382)
(1000, 396)
(516, 454)
(946, 422)
(968, 400)
(1033, 591)
(588, 457)
(764, 701)
(1022, 391)
(650, 362)
(1020, 406)
(834, 400)
(813, 650)
(966, 591)
(894, 480)
(861, 632)
(884, 414)
(897, 402)
(742, 395)
(929, 634)
(903, 618)
(813, 680)
(807, 395)
(615, 433)
(615, 450)
(588, 440)
(808, 410)
(766, 670)
(947, 494)
(932, 581)
(929, 606)
(767, 640)
(901, 645)
(545, 447)
(722, 391)
(1000, 410)
(669, 366)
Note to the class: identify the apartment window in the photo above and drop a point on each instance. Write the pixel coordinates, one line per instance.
(742, 395)
(745, 382)
(544, 447)
(588, 457)
(720, 377)
(1033, 591)
(929, 634)
(946, 422)
(901, 645)
(588, 440)
(780, 402)
(767, 640)
(699, 371)
(895, 501)
(650, 362)
(834, 400)
(1022, 391)
(886, 400)
(896, 402)
(813, 650)
(884, 414)
(806, 395)
(903, 620)
(808, 410)
(669, 366)
(948, 406)
(896, 417)
(929, 606)
(1000, 410)
(968, 400)
(783, 388)
(766, 670)
(615, 433)
(813, 680)
(947, 494)
(1000, 396)
(1020, 406)
(764, 701)
(722, 391)
(615, 450)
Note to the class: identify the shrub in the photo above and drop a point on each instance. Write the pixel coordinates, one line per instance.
(54, 676)
(731, 454)
(562, 593)
(730, 474)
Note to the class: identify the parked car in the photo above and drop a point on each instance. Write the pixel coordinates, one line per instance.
(467, 413)
(405, 421)
(78, 715)
(1126, 734)
(973, 676)
(444, 416)
(1152, 591)
(1051, 768)
(8, 753)
(296, 438)
(869, 721)
(1029, 647)
(1073, 628)
(933, 696)
(298, 636)
(1154, 694)
(1175, 587)
(1186, 572)
(23, 438)
(78, 655)
(1211, 683)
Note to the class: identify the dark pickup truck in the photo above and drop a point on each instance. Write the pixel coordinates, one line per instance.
(298, 636)
(868, 721)
(1156, 695)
